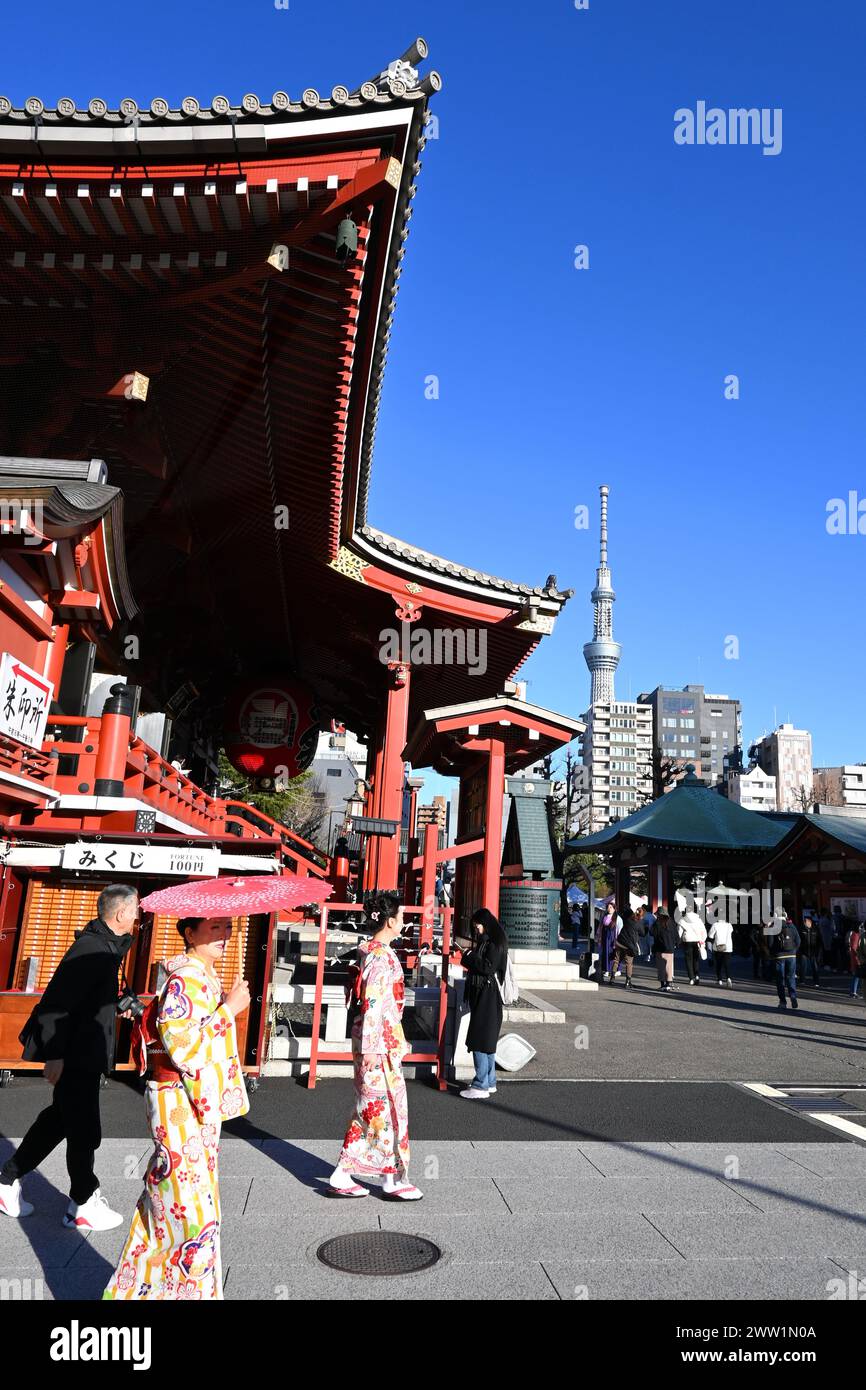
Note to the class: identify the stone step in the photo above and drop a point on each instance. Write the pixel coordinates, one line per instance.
(559, 984)
(520, 956)
(565, 971)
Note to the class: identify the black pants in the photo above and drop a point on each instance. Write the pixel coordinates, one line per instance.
(73, 1115)
(721, 959)
(693, 959)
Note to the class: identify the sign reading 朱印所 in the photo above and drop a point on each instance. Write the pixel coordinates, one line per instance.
(100, 857)
(25, 699)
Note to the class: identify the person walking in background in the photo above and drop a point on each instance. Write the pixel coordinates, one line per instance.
(646, 922)
(578, 921)
(855, 964)
(825, 927)
(693, 934)
(811, 950)
(485, 965)
(841, 930)
(627, 948)
(721, 934)
(72, 1030)
(784, 945)
(757, 941)
(665, 936)
(609, 928)
(377, 1139)
(187, 1044)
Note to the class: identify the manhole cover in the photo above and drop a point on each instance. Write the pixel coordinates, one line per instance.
(378, 1253)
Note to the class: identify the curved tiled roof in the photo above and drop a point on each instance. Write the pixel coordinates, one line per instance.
(193, 126)
(691, 816)
(398, 82)
(70, 495)
(425, 559)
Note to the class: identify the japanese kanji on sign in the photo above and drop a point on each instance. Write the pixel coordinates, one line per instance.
(26, 700)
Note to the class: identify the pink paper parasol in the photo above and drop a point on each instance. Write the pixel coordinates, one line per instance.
(235, 897)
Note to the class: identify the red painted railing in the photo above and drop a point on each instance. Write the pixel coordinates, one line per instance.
(150, 779)
(32, 764)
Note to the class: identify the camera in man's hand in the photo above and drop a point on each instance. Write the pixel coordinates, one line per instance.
(130, 1004)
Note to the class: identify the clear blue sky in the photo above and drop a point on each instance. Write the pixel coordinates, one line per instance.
(556, 128)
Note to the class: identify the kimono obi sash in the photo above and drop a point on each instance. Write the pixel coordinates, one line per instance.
(147, 1050)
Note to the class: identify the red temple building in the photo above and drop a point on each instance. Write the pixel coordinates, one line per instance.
(195, 312)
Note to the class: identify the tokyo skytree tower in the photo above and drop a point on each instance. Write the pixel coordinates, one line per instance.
(602, 654)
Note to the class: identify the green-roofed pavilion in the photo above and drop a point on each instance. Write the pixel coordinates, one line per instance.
(693, 829)
(822, 859)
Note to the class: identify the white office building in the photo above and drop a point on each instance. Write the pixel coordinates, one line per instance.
(755, 790)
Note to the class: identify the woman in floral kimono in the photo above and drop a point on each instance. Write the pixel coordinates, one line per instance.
(186, 1041)
(377, 1140)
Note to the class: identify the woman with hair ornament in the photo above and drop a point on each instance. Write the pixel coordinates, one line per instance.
(187, 1044)
(376, 1145)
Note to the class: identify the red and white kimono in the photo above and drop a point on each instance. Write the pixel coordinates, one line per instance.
(173, 1247)
(377, 1140)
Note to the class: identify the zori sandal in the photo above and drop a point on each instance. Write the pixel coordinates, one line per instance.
(406, 1193)
(354, 1191)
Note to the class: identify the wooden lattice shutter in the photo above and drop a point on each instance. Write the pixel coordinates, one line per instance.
(166, 943)
(53, 913)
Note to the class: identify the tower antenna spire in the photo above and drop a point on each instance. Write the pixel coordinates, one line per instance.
(602, 654)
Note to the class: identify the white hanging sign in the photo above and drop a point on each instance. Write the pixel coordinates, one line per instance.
(101, 857)
(25, 699)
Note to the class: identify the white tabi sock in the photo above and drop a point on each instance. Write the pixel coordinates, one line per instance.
(341, 1178)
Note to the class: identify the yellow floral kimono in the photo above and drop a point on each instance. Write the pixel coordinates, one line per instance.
(173, 1247)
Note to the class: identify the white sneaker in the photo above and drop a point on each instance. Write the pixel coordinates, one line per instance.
(472, 1093)
(11, 1201)
(93, 1215)
(492, 1091)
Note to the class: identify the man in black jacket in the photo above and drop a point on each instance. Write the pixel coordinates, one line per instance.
(72, 1030)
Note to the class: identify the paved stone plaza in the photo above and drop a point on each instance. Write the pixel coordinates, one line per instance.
(518, 1220)
(674, 1155)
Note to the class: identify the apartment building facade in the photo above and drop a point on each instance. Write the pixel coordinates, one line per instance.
(692, 726)
(786, 754)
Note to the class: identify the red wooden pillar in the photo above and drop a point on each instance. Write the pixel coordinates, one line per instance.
(428, 882)
(492, 860)
(371, 808)
(390, 797)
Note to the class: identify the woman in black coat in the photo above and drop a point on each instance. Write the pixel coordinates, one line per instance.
(485, 966)
(666, 939)
(627, 947)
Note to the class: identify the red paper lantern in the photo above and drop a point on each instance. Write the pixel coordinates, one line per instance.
(271, 728)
